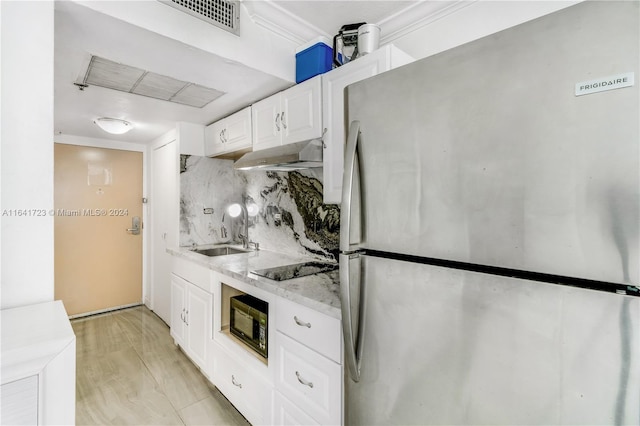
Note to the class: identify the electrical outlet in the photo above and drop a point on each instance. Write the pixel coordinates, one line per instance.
(208, 210)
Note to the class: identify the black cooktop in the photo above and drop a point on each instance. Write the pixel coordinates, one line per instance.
(287, 272)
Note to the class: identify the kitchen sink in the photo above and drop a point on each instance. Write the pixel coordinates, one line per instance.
(219, 251)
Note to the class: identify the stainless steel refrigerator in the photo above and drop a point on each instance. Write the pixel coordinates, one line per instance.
(489, 236)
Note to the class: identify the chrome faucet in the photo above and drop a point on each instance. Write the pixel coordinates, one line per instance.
(244, 236)
(223, 229)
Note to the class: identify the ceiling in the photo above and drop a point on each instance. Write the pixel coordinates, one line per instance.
(328, 16)
(81, 32)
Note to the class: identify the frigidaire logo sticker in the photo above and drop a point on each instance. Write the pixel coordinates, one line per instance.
(605, 83)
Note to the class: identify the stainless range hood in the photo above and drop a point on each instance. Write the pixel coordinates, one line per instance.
(300, 155)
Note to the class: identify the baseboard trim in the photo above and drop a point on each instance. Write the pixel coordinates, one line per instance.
(103, 311)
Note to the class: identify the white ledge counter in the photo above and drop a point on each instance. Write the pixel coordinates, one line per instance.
(320, 292)
(38, 365)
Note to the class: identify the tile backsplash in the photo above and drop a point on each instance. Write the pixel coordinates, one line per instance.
(291, 218)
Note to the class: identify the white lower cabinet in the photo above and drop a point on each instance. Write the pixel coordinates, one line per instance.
(308, 364)
(287, 413)
(249, 391)
(318, 331)
(191, 319)
(38, 366)
(300, 383)
(309, 380)
(20, 402)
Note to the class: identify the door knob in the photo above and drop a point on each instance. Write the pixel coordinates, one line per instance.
(135, 226)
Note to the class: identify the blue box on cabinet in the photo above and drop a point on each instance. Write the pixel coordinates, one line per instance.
(313, 58)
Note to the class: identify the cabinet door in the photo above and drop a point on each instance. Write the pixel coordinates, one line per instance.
(237, 134)
(335, 121)
(214, 139)
(165, 214)
(198, 318)
(266, 123)
(302, 111)
(333, 114)
(178, 309)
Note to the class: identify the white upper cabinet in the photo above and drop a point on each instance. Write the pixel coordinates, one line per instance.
(214, 138)
(301, 116)
(231, 134)
(265, 115)
(293, 115)
(333, 85)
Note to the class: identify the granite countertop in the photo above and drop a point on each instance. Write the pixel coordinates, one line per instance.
(320, 292)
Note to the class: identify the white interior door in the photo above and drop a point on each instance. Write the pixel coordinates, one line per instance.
(165, 206)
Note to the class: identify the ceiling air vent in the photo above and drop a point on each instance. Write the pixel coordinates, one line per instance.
(112, 75)
(224, 14)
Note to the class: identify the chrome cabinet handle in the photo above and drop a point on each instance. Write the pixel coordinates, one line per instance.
(284, 122)
(186, 318)
(235, 383)
(277, 118)
(221, 138)
(303, 381)
(182, 315)
(302, 323)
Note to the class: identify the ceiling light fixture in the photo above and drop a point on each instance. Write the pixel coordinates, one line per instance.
(113, 125)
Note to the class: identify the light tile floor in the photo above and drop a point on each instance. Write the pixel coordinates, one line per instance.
(129, 372)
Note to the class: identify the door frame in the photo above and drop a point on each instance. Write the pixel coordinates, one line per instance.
(124, 146)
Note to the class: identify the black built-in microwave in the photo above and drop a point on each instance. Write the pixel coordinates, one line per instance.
(249, 318)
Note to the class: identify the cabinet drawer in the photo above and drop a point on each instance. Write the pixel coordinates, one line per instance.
(312, 382)
(320, 332)
(248, 392)
(285, 413)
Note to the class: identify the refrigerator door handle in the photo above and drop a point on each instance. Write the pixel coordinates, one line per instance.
(351, 302)
(350, 208)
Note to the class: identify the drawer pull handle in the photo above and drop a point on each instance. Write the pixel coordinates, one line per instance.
(235, 383)
(303, 381)
(302, 323)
